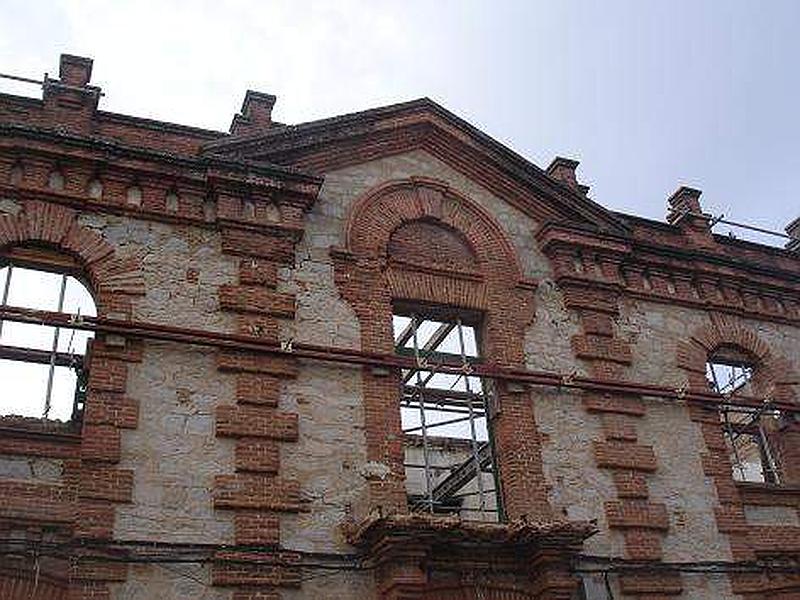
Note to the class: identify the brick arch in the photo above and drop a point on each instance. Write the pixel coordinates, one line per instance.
(773, 377)
(370, 282)
(98, 485)
(113, 279)
(383, 209)
(494, 285)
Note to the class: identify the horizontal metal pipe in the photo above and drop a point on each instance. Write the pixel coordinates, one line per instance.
(22, 79)
(753, 228)
(59, 359)
(169, 333)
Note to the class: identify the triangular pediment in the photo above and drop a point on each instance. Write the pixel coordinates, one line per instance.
(326, 145)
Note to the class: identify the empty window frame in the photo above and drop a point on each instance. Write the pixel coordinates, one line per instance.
(446, 417)
(746, 429)
(42, 367)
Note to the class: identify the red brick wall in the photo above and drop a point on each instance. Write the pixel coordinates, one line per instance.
(427, 243)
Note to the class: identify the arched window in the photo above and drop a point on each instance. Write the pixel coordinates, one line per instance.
(730, 372)
(41, 367)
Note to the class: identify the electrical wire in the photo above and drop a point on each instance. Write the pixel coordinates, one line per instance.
(177, 553)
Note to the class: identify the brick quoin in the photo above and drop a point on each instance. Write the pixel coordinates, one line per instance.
(87, 503)
(591, 284)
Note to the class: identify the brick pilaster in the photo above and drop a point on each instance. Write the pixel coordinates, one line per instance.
(256, 492)
(591, 289)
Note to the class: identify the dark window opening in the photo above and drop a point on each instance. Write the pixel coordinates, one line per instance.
(747, 430)
(42, 368)
(446, 416)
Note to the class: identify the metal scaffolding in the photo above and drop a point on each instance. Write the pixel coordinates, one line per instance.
(58, 355)
(751, 456)
(446, 418)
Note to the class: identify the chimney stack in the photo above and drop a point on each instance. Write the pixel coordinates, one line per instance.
(684, 204)
(563, 169)
(256, 113)
(686, 212)
(75, 70)
(69, 101)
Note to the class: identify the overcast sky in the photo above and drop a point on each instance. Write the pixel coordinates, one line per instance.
(647, 95)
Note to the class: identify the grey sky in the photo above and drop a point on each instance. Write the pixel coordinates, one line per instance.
(648, 95)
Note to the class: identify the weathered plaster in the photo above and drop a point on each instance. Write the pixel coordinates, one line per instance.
(174, 452)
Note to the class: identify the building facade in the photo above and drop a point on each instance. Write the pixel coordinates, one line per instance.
(377, 356)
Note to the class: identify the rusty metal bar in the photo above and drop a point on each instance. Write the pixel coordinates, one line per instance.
(168, 333)
(22, 79)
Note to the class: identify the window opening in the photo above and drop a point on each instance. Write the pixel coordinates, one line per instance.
(446, 417)
(746, 429)
(42, 367)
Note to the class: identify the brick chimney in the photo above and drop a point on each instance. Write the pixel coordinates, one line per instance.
(69, 101)
(75, 70)
(256, 113)
(684, 204)
(793, 231)
(563, 169)
(686, 212)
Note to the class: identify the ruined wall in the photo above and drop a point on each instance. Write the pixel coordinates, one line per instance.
(174, 454)
(166, 452)
(205, 428)
(579, 487)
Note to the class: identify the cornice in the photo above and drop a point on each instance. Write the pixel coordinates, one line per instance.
(81, 203)
(156, 125)
(111, 149)
(105, 117)
(686, 258)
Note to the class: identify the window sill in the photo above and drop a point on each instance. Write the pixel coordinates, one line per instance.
(767, 494)
(36, 437)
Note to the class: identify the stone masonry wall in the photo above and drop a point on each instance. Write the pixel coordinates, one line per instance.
(577, 486)
(198, 433)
